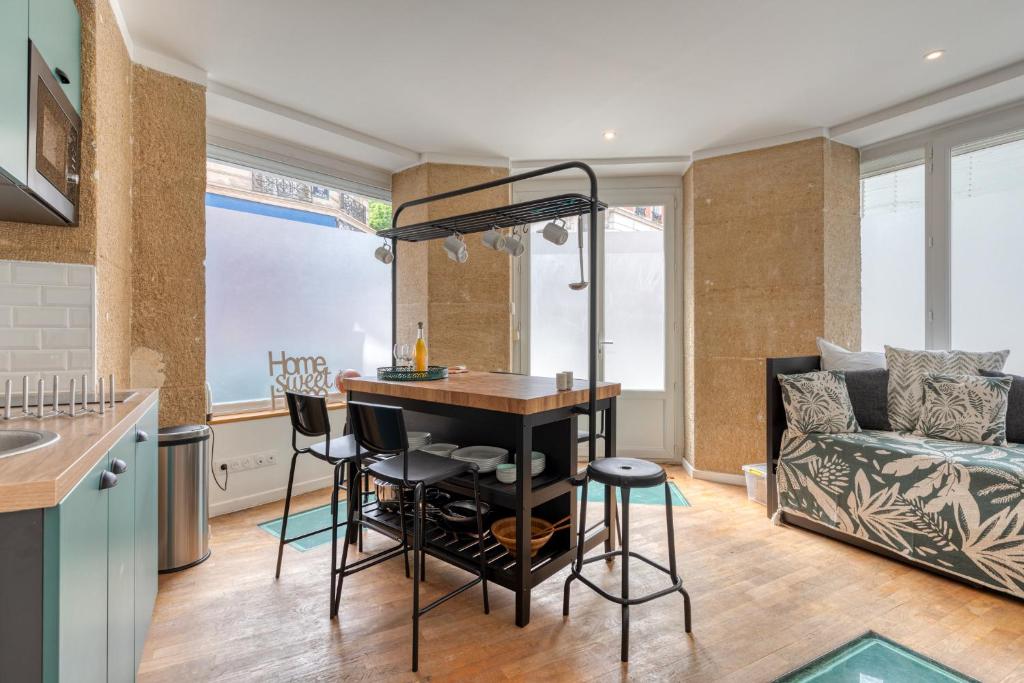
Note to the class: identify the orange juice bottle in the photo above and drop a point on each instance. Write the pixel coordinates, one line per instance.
(421, 350)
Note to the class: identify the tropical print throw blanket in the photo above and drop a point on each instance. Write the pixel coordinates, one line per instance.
(955, 506)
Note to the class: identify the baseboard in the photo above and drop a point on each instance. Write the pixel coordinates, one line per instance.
(269, 496)
(719, 477)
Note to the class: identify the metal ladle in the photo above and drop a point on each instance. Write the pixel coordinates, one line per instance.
(582, 284)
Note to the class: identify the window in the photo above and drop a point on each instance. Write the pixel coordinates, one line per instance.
(986, 296)
(290, 267)
(942, 230)
(892, 259)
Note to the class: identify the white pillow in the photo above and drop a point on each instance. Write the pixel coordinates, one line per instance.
(835, 357)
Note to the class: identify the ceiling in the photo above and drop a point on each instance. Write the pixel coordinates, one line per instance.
(537, 79)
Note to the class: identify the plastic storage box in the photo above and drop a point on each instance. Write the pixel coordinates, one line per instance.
(757, 482)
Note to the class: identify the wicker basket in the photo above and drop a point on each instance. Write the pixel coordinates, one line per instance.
(541, 531)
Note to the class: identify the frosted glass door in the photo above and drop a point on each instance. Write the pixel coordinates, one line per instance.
(987, 243)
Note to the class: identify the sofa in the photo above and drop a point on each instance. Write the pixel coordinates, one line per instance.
(953, 508)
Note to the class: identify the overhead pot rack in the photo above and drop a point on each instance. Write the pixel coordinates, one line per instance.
(521, 213)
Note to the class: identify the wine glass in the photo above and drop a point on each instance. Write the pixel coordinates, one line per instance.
(402, 355)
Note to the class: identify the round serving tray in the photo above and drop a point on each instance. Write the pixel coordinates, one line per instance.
(393, 374)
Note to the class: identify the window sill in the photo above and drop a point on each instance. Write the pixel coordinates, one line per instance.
(246, 416)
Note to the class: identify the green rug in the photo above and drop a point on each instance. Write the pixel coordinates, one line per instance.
(872, 658)
(320, 517)
(303, 522)
(654, 495)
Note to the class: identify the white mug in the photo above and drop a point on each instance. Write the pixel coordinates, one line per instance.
(514, 246)
(456, 248)
(384, 255)
(563, 380)
(494, 240)
(556, 233)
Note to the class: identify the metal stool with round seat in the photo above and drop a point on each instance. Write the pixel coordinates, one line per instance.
(626, 474)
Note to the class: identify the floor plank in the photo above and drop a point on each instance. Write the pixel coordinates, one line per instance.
(765, 600)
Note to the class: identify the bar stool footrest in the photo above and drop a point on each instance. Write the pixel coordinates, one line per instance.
(448, 596)
(372, 560)
(676, 587)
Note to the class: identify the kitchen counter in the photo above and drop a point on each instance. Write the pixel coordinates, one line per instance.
(43, 477)
(500, 392)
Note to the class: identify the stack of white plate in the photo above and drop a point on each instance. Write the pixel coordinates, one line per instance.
(487, 458)
(537, 462)
(418, 440)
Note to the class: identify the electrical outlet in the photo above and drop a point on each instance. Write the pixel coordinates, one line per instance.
(246, 463)
(271, 459)
(234, 465)
(260, 460)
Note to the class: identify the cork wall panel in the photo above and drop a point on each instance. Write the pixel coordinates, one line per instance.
(689, 395)
(464, 307)
(775, 252)
(412, 285)
(168, 229)
(111, 100)
(468, 307)
(76, 244)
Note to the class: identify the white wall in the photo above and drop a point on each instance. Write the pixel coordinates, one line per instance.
(248, 488)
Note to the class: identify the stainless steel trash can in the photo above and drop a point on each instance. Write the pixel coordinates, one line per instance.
(184, 506)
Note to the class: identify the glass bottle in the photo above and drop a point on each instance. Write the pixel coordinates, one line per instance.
(421, 350)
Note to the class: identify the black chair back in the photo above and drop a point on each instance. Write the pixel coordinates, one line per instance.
(309, 416)
(377, 428)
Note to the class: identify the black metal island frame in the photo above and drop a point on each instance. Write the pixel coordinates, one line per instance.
(516, 412)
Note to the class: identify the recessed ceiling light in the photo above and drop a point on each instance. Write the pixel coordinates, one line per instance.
(934, 54)
(609, 134)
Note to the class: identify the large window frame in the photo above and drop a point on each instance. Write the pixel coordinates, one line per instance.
(934, 146)
(293, 168)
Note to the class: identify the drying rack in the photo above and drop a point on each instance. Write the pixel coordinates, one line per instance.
(522, 213)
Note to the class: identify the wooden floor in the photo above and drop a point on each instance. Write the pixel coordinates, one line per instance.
(765, 600)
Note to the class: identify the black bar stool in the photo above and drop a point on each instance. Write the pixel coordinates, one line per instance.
(381, 429)
(626, 474)
(310, 418)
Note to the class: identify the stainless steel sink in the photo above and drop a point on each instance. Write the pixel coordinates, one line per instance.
(17, 441)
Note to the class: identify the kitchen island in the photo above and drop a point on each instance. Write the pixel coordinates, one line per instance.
(519, 413)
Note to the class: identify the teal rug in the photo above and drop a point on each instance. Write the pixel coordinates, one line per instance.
(319, 517)
(872, 658)
(655, 495)
(303, 522)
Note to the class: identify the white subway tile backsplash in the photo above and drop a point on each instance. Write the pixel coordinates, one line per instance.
(46, 320)
(13, 338)
(29, 273)
(79, 317)
(80, 360)
(15, 295)
(26, 361)
(67, 338)
(37, 316)
(67, 296)
(81, 275)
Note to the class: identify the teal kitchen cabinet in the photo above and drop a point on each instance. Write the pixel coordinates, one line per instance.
(121, 561)
(56, 29)
(146, 548)
(75, 581)
(14, 89)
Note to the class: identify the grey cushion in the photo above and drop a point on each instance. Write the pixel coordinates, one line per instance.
(869, 396)
(1015, 408)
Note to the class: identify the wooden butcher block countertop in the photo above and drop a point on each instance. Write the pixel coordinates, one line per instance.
(42, 477)
(504, 393)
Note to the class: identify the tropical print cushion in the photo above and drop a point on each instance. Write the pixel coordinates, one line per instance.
(818, 403)
(965, 408)
(907, 370)
(954, 506)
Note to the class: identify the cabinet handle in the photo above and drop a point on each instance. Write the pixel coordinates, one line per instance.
(61, 76)
(118, 466)
(108, 480)
(141, 436)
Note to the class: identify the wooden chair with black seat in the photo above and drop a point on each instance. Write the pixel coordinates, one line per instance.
(310, 418)
(381, 429)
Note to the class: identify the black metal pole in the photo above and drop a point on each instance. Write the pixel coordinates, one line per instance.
(594, 285)
(394, 296)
